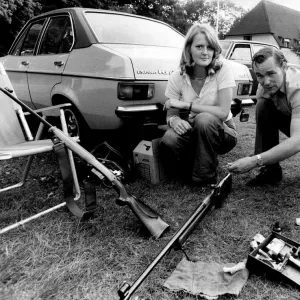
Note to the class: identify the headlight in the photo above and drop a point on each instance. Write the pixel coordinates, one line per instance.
(244, 88)
(135, 91)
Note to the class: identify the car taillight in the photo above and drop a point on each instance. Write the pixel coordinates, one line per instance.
(135, 91)
(244, 88)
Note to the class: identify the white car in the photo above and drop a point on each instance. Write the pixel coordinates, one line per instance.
(112, 66)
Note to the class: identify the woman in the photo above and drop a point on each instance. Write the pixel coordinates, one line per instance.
(199, 96)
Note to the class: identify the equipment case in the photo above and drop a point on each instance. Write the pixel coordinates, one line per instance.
(147, 162)
(289, 274)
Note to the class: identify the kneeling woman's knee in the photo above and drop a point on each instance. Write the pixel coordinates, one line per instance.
(169, 139)
(206, 120)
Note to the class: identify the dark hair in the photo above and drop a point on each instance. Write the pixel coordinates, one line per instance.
(186, 61)
(263, 54)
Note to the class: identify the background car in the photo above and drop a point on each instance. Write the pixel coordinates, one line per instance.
(242, 51)
(112, 66)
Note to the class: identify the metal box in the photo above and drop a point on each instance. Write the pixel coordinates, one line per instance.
(289, 274)
(147, 162)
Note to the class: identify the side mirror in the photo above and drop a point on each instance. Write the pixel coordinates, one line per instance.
(236, 107)
(244, 116)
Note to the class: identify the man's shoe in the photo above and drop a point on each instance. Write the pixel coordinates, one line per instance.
(267, 175)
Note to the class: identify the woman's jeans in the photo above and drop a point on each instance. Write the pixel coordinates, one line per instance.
(197, 149)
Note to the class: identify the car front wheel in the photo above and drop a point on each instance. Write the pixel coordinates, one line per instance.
(73, 124)
(76, 126)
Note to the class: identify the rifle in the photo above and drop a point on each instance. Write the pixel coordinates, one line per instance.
(147, 215)
(216, 199)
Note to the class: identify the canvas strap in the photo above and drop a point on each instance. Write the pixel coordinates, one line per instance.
(90, 198)
(89, 187)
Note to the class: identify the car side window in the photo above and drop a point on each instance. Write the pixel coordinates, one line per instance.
(58, 37)
(241, 52)
(27, 42)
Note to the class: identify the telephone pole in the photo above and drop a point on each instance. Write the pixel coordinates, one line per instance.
(217, 26)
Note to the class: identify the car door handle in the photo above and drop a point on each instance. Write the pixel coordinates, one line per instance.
(59, 63)
(25, 63)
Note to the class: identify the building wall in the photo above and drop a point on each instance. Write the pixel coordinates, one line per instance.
(291, 56)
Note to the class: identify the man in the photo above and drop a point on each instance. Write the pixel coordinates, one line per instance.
(278, 108)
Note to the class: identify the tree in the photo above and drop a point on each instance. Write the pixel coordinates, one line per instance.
(13, 15)
(48, 5)
(169, 11)
(179, 14)
(204, 11)
(296, 50)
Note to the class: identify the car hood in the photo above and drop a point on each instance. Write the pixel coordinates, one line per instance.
(150, 62)
(240, 71)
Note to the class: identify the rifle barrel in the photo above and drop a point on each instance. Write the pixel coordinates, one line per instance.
(184, 236)
(199, 210)
(215, 198)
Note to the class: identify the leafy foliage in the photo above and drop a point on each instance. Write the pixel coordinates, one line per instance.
(13, 15)
(296, 50)
(179, 14)
(206, 12)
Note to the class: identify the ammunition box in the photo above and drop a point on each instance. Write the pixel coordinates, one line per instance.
(290, 273)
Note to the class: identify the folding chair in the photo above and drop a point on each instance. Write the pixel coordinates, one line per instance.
(13, 144)
(16, 140)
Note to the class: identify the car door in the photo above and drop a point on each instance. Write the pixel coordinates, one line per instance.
(242, 54)
(16, 63)
(45, 70)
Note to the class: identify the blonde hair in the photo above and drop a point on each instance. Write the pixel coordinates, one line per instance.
(186, 61)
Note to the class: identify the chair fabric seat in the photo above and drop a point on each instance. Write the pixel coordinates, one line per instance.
(24, 149)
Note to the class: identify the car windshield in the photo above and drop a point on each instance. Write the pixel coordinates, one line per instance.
(124, 29)
(225, 45)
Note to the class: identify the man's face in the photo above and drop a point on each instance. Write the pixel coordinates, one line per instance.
(269, 75)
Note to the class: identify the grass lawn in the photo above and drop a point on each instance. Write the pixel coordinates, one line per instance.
(56, 257)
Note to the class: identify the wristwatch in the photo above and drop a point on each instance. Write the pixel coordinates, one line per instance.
(259, 160)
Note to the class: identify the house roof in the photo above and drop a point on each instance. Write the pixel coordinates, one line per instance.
(268, 17)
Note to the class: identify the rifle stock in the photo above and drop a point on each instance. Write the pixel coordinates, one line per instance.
(148, 217)
(146, 214)
(215, 198)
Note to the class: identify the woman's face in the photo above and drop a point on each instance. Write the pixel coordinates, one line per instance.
(202, 53)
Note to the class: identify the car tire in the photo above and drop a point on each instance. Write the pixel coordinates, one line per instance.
(76, 125)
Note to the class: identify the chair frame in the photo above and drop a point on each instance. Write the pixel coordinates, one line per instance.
(57, 111)
(147, 216)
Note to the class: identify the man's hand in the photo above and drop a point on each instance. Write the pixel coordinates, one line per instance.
(242, 165)
(181, 126)
(176, 104)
